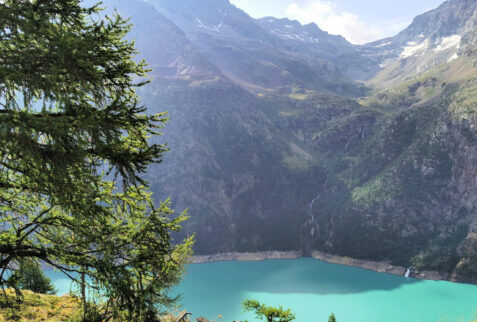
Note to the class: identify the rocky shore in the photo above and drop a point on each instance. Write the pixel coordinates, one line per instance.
(381, 267)
(234, 256)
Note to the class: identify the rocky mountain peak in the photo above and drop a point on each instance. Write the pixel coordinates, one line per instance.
(208, 11)
(432, 38)
(177, 4)
(448, 19)
(168, 51)
(293, 30)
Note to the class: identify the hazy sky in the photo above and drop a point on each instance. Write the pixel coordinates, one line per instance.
(359, 21)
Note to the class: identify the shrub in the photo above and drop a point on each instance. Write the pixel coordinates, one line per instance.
(29, 276)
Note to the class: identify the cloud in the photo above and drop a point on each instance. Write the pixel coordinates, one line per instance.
(346, 24)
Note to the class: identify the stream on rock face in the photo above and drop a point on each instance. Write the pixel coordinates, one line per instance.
(311, 226)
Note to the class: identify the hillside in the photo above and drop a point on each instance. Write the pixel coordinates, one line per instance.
(274, 146)
(42, 307)
(433, 38)
(39, 307)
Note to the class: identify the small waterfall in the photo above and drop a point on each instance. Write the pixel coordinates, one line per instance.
(310, 209)
(310, 212)
(311, 227)
(408, 272)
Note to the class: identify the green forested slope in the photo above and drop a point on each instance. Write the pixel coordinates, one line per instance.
(390, 176)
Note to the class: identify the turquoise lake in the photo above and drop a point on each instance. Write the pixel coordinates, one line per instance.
(314, 289)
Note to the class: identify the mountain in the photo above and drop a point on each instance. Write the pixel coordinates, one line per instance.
(272, 150)
(250, 55)
(168, 51)
(226, 147)
(309, 40)
(431, 39)
(287, 29)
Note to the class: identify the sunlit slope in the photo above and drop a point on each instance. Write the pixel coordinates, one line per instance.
(403, 175)
(434, 37)
(256, 58)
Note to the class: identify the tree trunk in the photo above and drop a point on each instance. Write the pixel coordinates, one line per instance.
(83, 294)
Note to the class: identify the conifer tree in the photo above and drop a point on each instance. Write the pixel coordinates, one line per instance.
(29, 276)
(73, 150)
(268, 313)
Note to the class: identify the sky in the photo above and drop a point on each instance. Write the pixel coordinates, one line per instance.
(359, 21)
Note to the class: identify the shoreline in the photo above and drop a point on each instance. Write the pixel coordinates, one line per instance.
(380, 267)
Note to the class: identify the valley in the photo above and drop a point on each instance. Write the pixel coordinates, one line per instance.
(286, 138)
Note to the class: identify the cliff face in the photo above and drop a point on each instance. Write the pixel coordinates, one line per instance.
(400, 173)
(241, 178)
(271, 149)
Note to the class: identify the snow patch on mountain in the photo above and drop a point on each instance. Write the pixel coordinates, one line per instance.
(290, 36)
(449, 42)
(413, 48)
(211, 28)
(455, 56)
(384, 44)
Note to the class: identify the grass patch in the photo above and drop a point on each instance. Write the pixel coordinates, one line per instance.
(38, 307)
(42, 307)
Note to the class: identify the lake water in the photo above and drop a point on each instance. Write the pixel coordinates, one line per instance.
(314, 289)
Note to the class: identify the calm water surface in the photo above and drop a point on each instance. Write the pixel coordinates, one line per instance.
(313, 289)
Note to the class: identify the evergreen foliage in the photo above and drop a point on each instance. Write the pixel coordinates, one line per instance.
(74, 144)
(332, 318)
(29, 276)
(268, 313)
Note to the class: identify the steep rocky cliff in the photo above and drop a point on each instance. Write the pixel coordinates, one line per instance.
(433, 38)
(404, 177)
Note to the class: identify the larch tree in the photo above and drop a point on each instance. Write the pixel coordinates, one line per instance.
(73, 149)
(29, 276)
(268, 313)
